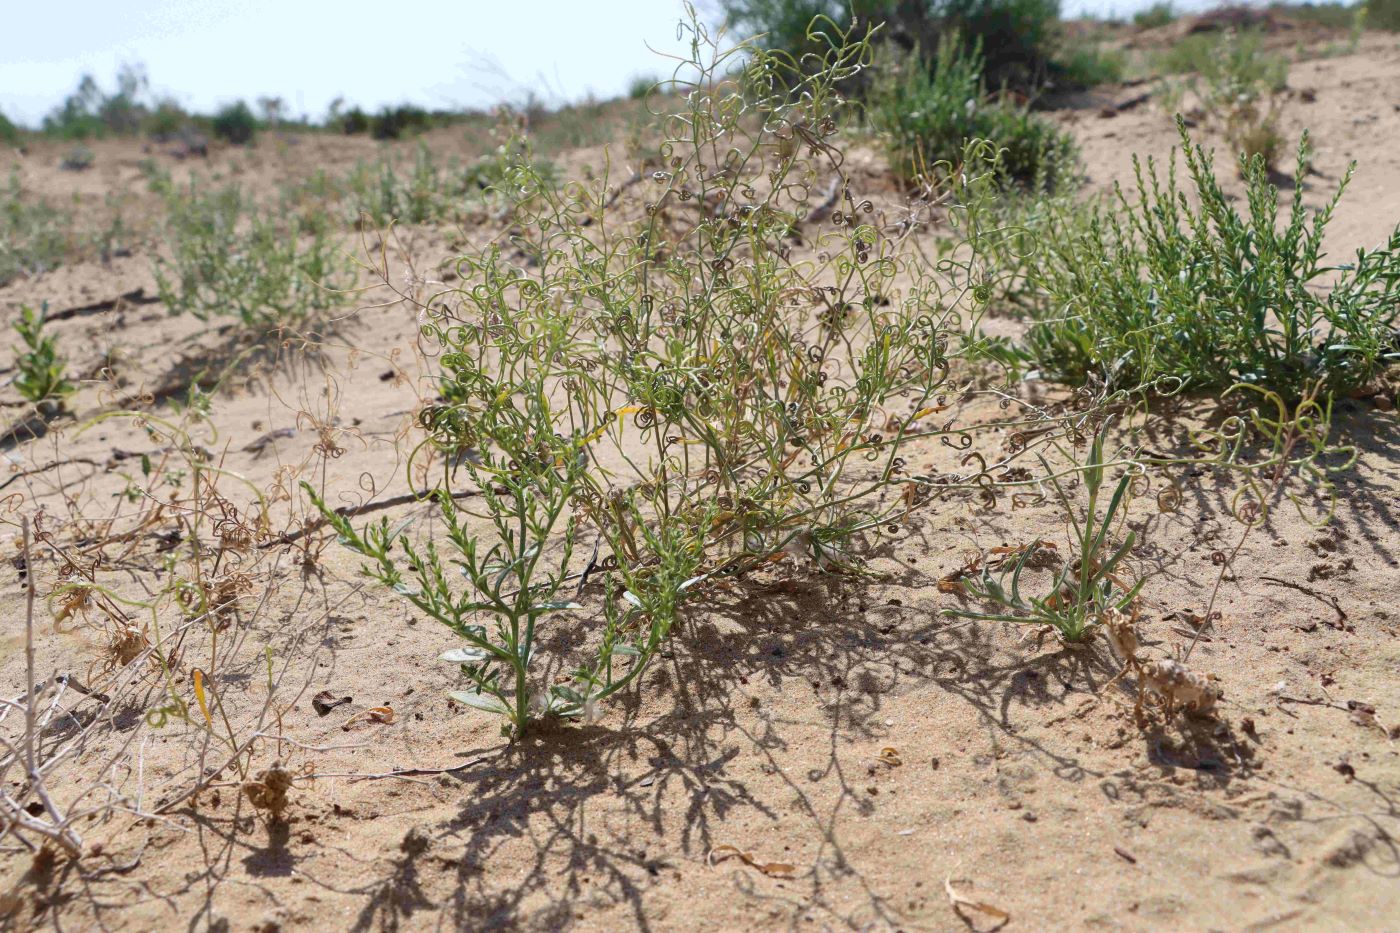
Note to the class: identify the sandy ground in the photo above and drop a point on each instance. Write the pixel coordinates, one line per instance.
(837, 726)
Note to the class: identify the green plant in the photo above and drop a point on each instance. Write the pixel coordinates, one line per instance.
(167, 121)
(1018, 37)
(641, 85)
(89, 111)
(235, 123)
(354, 121)
(671, 381)
(228, 258)
(40, 379)
(1089, 583)
(35, 236)
(1090, 64)
(926, 113)
(1383, 14)
(1238, 86)
(395, 122)
(1158, 14)
(1229, 63)
(1174, 291)
(78, 159)
(9, 133)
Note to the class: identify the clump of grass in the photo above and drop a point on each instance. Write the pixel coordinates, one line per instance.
(926, 112)
(1089, 64)
(41, 377)
(1187, 292)
(228, 258)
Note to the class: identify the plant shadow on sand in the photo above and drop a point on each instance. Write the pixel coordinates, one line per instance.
(586, 802)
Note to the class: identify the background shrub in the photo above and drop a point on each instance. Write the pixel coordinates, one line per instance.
(1158, 14)
(926, 111)
(1383, 14)
(1018, 37)
(9, 133)
(395, 122)
(235, 123)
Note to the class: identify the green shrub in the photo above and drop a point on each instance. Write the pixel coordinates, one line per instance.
(1158, 14)
(641, 85)
(235, 123)
(89, 111)
(1091, 64)
(394, 122)
(1383, 14)
(926, 113)
(167, 121)
(1018, 37)
(227, 258)
(9, 133)
(1174, 289)
(355, 122)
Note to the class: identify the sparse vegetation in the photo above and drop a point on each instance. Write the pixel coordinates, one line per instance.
(9, 133)
(35, 236)
(228, 258)
(711, 494)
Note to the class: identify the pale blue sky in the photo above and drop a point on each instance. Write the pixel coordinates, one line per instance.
(436, 53)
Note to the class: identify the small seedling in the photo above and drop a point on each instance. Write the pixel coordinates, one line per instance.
(41, 380)
(1089, 586)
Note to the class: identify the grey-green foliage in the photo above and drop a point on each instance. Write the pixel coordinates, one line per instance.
(35, 235)
(229, 257)
(1175, 288)
(672, 382)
